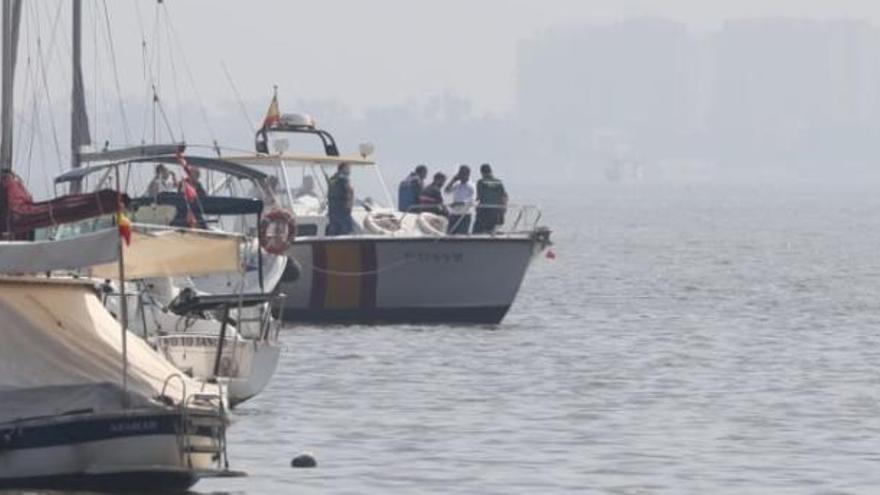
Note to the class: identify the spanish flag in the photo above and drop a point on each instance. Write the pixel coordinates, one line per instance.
(124, 225)
(273, 115)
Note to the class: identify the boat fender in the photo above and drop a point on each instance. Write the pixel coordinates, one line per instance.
(292, 271)
(381, 223)
(277, 231)
(432, 224)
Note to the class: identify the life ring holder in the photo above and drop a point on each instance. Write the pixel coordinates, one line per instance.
(275, 222)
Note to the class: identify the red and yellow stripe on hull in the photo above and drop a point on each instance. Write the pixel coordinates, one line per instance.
(344, 275)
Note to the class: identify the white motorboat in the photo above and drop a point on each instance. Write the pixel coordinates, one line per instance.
(395, 267)
(232, 338)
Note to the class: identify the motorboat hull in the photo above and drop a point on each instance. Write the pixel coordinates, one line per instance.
(246, 366)
(125, 451)
(376, 279)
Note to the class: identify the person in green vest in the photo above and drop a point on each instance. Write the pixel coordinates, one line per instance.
(491, 202)
(340, 200)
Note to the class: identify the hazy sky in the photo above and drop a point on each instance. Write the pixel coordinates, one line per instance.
(359, 53)
(381, 52)
(363, 53)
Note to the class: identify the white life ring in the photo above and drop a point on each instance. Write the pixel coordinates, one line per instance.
(431, 224)
(382, 223)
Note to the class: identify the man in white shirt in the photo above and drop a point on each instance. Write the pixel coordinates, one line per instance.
(463, 194)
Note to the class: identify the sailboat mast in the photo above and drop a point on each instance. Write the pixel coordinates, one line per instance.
(11, 20)
(79, 119)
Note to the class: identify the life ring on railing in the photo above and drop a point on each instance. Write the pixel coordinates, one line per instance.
(382, 223)
(277, 231)
(432, 224)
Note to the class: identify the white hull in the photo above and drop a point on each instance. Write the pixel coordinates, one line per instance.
(413, 279)
(120, 451)
(247, 365)
(191, 344)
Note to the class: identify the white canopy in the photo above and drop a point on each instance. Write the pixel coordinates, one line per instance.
(57, 333)
(302, 159)
(152, 253)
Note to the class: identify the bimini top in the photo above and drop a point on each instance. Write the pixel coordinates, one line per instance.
(224, 166)
(301, 159)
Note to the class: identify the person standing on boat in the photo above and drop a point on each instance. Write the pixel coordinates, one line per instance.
(163, 181)
(340, 200)
(492, 202)
(431, 197)
(410, 188)
(462, 192)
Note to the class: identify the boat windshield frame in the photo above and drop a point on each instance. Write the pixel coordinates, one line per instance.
(224, 166)
(317, 166)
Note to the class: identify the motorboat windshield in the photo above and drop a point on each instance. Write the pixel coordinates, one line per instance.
(300, 181)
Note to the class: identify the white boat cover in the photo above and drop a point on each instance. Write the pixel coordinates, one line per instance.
(32, 403)
(57, 333)
(153, 252)
(95, 248)
(298, 159)
(156, 253)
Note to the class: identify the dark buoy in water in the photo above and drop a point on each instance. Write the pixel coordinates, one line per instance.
(305, 460)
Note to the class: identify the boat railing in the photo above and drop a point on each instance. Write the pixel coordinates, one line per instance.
(516, 218)
(168, 380)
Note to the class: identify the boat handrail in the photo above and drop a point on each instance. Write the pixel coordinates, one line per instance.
(182, 386)
(527, 215)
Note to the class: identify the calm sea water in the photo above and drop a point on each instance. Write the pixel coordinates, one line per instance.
(685, 340)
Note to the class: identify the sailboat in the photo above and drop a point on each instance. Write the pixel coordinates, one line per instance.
(217, 327)
(86, 404)
(214, 325)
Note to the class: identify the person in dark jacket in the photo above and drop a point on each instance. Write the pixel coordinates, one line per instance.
(340, 201)
(431, 198)
(491, 202)
(410, 188)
